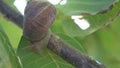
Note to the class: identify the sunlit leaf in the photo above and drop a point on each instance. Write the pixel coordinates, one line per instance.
(13, 32)
(47, 59)
(8, 58)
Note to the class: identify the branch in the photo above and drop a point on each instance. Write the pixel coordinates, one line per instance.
(61, 48)
(11, 14)
(71, 55)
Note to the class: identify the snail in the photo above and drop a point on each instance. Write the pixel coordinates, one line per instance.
(39, 15)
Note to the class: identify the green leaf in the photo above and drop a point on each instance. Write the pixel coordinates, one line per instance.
(31, 59)
(8, 58)
(71, 29)
(104, 44)
(57, 27)
(92, 7)
(96, 22)
(73, 42)
(58, 30)
(12, 31)
(109, 38)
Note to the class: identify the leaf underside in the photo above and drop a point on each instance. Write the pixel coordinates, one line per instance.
(8, 58)
(31, 59)
(96, 22)
(91, 7)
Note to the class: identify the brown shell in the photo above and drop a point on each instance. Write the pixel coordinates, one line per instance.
(38, 18)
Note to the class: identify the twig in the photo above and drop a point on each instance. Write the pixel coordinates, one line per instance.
(11, 14)
(61, 48)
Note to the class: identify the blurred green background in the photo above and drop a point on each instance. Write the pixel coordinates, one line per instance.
(100, 41)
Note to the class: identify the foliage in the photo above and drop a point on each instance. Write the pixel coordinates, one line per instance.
(8, 58)
(100, 40)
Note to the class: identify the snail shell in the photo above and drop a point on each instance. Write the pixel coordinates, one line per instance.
(39, 15)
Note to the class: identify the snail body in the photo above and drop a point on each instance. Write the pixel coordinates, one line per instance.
(39, 15)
